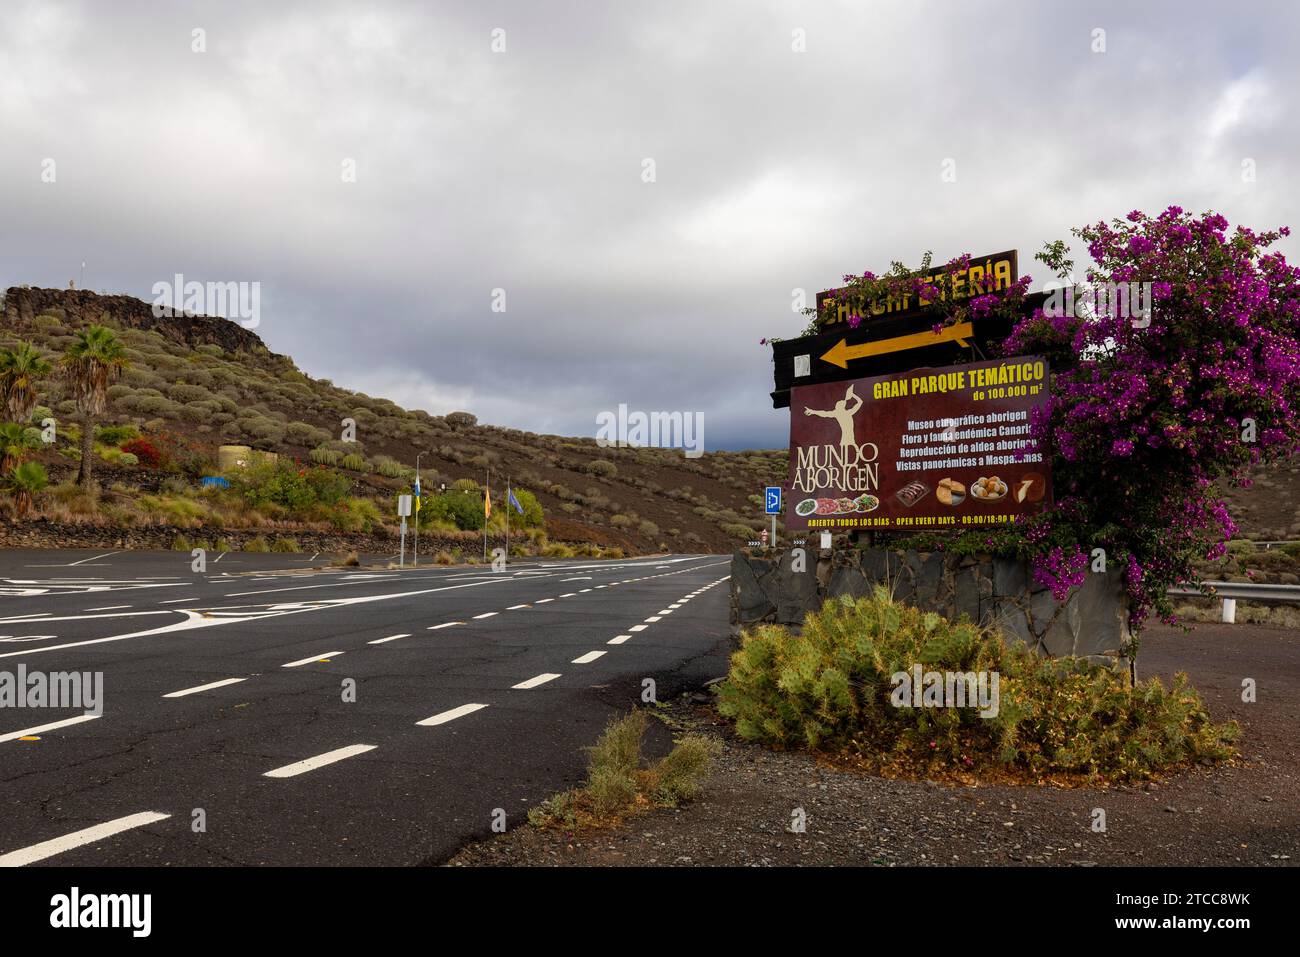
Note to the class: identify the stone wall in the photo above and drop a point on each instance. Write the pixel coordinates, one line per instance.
(41, 533)
(995, 592)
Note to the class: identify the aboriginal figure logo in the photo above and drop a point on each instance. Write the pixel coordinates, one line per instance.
(848, 466)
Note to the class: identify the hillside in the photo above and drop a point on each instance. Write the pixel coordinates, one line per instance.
(195, 383)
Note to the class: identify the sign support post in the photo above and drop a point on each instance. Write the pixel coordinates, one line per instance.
(403, 510)
(772, 505)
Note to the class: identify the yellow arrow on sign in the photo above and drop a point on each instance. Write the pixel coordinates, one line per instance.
(840, 353)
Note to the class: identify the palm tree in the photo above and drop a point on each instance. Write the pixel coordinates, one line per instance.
(94, 360)
(20, 369)
(15, 444)
(25, 482)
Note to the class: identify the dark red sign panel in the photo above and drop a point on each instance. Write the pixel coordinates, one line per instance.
(923, 449)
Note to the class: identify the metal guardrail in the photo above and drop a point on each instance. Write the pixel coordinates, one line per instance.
(1229, 592)
(1259, 590)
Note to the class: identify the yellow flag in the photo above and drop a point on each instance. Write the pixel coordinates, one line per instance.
(487, 504)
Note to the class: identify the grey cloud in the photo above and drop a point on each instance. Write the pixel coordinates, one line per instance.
(521, 171)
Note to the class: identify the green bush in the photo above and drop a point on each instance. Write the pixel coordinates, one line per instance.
(533, 516)
(257, 544)
(601, 467)
(389, 468)
(116, 434)
(323, 455)
(617, 785)
(463, 509)
(354, 463)
(831, 687)
(282, 544)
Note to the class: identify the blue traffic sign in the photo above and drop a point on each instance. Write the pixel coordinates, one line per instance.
(773, 499)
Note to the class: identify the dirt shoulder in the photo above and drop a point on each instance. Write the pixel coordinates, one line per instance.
(1244, 814)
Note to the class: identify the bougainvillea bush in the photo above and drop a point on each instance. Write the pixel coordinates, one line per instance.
(1147, 418)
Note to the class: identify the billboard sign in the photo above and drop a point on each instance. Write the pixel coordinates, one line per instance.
(923, 449)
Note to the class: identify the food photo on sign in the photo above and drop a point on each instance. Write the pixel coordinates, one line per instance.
(922, 449)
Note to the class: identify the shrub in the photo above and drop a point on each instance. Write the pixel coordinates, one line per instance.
(833, 687)
(300, 433)
(617, 785)
(462, 509)
(620, 521)
(648, 528)
(257, 544)
(323, 455)
(740, 531)
(180, 543)
(444, 557)
(282, 544)
(601, 467)
(389, 468)
(115, 434)
(145, 452)
(461, 420)
(533, 516)
(354, 463)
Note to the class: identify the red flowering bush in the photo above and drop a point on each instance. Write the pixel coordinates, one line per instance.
(145, 453)
(1148, 416)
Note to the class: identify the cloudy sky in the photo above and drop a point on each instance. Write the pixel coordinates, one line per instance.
(523, 170)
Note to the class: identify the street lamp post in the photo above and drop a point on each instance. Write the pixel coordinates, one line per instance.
(416, 559)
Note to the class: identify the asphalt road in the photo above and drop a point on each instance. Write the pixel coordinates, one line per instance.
(224, 699)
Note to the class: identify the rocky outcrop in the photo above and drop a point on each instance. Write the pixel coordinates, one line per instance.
(80, 307)
(995, 592)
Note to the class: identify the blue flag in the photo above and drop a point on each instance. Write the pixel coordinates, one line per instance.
(515, 502)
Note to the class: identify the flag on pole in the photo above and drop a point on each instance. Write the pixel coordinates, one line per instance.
(487, 504)
(510, 497)
(417, 494)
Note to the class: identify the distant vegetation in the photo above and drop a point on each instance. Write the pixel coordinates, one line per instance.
(167, 405)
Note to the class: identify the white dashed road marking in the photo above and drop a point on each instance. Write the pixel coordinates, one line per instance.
(380, 641)
(311, 764)
(312, 659)
(207, 687)
(452, 715)
(39, 852)
(534, 682)
(588, 658)
(619, 640)
(445, 624)
(14, 735)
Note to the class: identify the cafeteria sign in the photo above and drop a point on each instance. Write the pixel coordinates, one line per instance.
(923, 449)
(994, 272)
